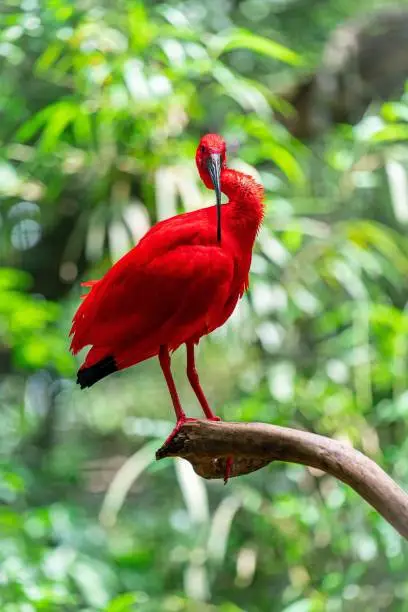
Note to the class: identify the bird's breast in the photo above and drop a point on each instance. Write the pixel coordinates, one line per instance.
(238, 286)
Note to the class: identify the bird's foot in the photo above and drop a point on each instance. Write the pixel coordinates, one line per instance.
(180, 422)
(178, 426)
(228, 468)
(230, 460)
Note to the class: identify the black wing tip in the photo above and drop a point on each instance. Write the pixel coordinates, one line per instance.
(86, 377)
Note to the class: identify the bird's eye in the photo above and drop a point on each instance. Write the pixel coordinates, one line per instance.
(203, 149)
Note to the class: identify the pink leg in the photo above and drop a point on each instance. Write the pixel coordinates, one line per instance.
(228, 469)
(164, 359)
(195, 383)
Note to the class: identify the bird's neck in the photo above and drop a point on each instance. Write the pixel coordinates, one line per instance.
(246, 207)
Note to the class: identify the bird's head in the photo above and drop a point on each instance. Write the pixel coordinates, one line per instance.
(210, 159)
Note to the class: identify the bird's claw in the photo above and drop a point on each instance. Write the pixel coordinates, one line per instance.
(229, 461)
(228, 469)
(177, 428)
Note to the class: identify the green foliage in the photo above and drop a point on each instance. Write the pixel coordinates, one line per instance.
(103, 104)
(28, 325)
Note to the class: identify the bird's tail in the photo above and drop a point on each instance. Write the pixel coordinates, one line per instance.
(83, 318)
(88, 375)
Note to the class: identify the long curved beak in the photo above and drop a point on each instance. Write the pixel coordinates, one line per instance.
(214, 169)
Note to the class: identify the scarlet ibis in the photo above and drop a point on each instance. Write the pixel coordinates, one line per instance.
(179, 283)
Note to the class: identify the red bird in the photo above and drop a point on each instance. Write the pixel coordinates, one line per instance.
(181, 281)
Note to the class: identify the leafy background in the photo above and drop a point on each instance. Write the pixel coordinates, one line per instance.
(102, 105)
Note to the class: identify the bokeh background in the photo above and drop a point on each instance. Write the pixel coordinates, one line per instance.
(102, 104)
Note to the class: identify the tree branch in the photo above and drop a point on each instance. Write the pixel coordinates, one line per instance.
(207, 445)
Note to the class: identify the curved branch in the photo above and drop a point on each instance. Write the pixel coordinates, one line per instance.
(207, 445)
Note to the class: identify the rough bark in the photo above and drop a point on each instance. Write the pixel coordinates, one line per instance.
(206, 445)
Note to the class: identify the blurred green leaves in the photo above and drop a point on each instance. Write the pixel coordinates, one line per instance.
(103, 105)
(244, 39)
(29, 325)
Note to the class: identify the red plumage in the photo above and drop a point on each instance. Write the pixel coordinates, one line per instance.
(178, 284)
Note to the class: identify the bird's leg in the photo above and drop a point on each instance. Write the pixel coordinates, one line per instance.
(165, 362)
(195, 383)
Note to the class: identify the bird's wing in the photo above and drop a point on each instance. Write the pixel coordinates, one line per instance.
(141, 300)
